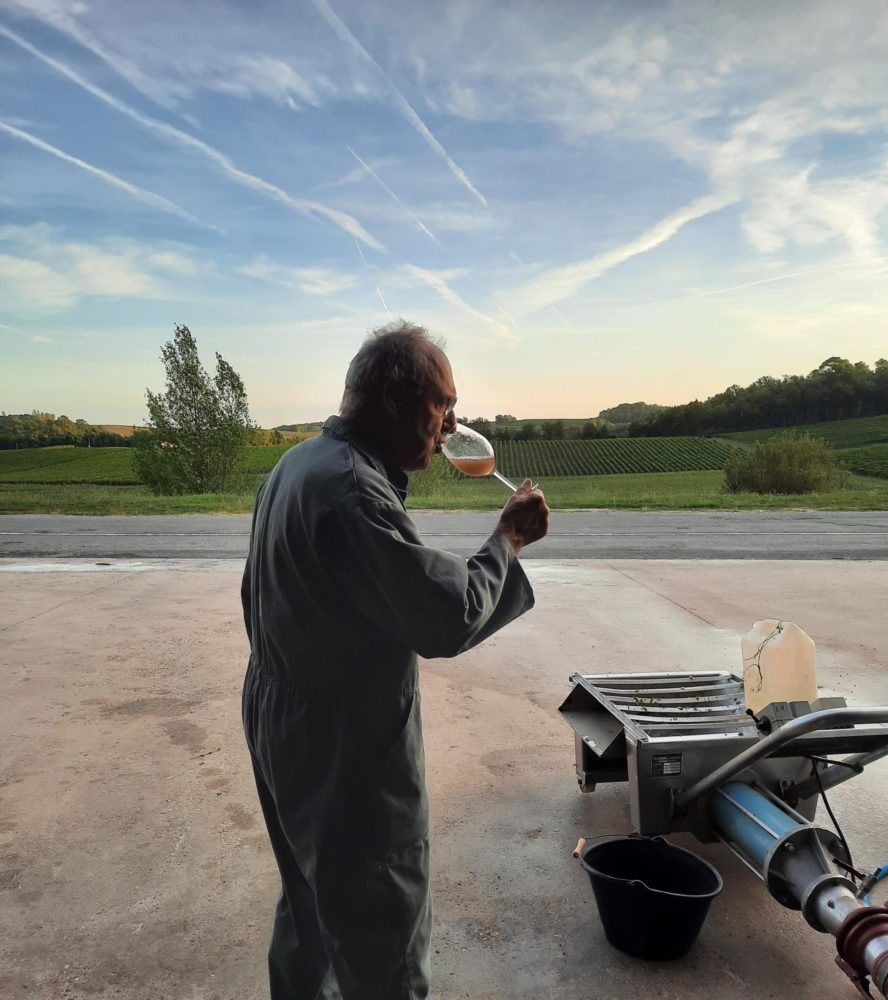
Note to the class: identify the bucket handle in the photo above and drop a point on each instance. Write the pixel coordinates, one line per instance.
(581, 843)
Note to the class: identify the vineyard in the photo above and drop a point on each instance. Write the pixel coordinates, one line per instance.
(871, 461)
(839, 433)
(610, 456)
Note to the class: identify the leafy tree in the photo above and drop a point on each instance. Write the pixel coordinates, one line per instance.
(595, 429)
(197, 430)
(553, 430)
(625, 413)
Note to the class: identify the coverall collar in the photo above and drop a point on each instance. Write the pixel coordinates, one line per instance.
(347, 431)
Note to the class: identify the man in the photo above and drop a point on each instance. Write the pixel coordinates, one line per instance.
(339, 596)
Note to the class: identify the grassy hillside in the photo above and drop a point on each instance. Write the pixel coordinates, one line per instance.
(868, 461)
(839, 433)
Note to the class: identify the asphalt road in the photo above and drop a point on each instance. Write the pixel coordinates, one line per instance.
(573, 535)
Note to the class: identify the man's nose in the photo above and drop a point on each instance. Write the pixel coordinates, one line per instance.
(450, 422)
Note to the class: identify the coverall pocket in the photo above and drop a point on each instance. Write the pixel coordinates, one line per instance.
(398, 801)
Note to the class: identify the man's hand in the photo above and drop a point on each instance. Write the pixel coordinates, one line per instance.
(525, 518)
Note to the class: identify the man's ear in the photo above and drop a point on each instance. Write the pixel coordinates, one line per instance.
(390, 399)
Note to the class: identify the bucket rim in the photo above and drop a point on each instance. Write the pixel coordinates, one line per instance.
(635, 838)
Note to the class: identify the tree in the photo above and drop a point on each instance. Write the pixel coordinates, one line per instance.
(197, 430)
(552, 430)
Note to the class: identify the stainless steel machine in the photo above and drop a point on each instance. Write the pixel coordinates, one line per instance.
(696, 761)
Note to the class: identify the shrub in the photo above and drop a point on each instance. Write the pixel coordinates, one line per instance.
(435, 481)
(786, 463)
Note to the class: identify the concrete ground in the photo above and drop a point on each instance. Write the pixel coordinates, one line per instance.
(134, 862)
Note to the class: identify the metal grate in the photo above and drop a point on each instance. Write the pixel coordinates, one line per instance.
(665, 705)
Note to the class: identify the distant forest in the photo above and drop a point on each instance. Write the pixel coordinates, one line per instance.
(38, 430)
(837, 390)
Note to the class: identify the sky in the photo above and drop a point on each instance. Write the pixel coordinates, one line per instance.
(592, 203)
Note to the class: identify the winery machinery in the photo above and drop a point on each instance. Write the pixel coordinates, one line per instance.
(695, 760)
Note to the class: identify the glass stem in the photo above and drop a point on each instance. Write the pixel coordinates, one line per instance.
(504, 481)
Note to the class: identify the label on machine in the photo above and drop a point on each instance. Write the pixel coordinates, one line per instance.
(665, 764)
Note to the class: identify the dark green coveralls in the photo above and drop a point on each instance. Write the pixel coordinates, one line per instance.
(339, 596)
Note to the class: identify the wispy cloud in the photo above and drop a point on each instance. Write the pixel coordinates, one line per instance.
(44, 271)
(434, 280)
(392, 194)
(343, 32)
(140, 194)
(62, 18)
(342, 220)
(311, 280)
(560, 283)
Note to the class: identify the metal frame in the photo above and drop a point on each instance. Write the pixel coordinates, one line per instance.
(667, 734)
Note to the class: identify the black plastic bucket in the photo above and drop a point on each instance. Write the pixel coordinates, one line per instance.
(652, 896)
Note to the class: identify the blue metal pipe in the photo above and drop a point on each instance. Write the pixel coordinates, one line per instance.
(749, 820)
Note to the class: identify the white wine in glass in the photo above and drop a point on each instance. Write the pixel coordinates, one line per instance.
(472, 454)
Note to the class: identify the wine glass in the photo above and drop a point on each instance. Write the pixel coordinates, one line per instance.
(472, 454)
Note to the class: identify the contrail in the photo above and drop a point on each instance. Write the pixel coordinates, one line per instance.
(767, 281)
(360, 251)
(561, 316)
(342, 30)
(510, 320)
(58, 19)
(342, 220)
(385, 187)
(562, 283)
(446, 292)
(140, 194)
(382, 300)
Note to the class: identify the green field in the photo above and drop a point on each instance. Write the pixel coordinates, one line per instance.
(108, 466)
(839, 433)
(651, 491)
(101, 480)
(609, 456)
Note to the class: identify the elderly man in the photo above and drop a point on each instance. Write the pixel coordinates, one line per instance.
(339, 596)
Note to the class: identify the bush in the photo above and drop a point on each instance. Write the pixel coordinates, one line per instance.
(786, 463)
(435, 481)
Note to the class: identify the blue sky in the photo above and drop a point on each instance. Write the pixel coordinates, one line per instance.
(592, 203)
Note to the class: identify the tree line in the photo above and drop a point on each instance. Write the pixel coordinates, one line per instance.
(545, 430)
(837, 390)
(40, 430)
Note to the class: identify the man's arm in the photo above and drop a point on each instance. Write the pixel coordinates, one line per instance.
(437, 603)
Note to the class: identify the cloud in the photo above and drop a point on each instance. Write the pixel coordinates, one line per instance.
(311, 280)
(43, 271)
(343, 32)
(140, 194)
(63, 17)
(263, 75)
(315, 209)
(436, 281)
(560, 283)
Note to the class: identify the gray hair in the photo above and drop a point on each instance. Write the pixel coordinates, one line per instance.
(399, 354)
